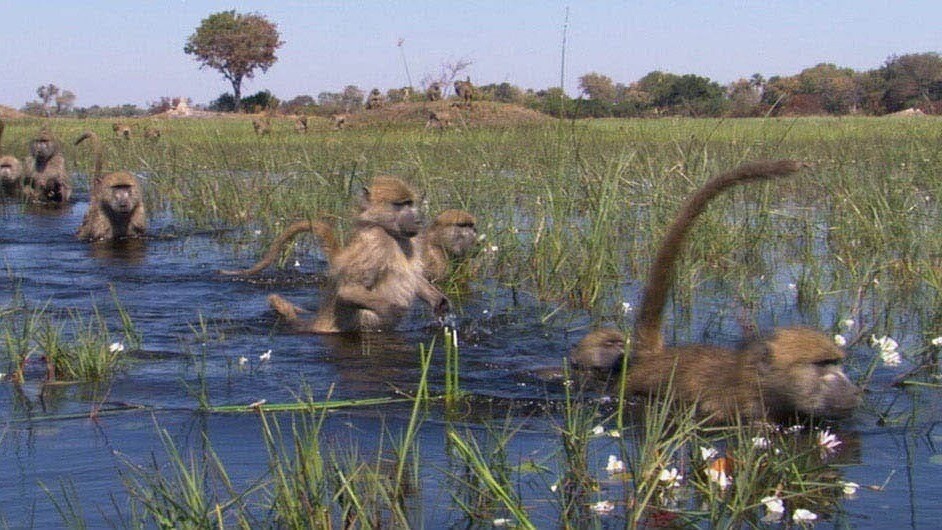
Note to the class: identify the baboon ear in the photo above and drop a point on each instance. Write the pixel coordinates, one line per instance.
(364, 198)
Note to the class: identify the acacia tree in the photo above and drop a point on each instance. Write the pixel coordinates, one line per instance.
(235, 44)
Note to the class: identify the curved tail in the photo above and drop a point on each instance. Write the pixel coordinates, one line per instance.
(648, 337)
(96, 146)
(321, 229)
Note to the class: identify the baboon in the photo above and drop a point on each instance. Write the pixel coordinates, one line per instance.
(339, 121)
(377, 276)
(300, 124)
(601, 349)
(465, 91)
(116, 205)
(794, 371)
(438, 119)
(323, 230)
(121, 130)
(434, 92)
(45, 179)
(375, 100)
(10, 171)
(152, 133)
(452, 236)
(261, 125)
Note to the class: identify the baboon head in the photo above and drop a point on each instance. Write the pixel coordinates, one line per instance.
(455, 232)
(800, 371)
(9, 173)
(390, 203)
(601, 349)
(120, 194)
(44, 146)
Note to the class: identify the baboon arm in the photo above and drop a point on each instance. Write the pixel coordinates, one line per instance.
(433, 297)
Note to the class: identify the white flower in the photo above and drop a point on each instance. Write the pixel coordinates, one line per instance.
(502, 522)
(888, 352)
(850, 488)
(265, 356)
(602, 507)
(481, 237)
(494, 248)
(937, 341)
(773, 504)
(802, 515)
(828, 441)
(598, 430)
(840, 340)
(626, 308)
(243, 360)
(116, 347)
(554, 487)
(297, 263)
(719, 477)
(708, 453)
(847, 323)
(761, 442)
(795, 429)
(792, 287)
(614, 433)
(614, 465)
(257, 232)
(671, 478)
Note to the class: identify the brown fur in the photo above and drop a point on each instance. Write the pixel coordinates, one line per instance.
(300, 124)
(375, 100)
(11, 171)
(321, 229)
(45, 179)
(151, 133)
(452, 236)
(601, 349)
(339, 121)
(434, 92)
(377, 276)
(261, 125)
(121, 130)
(116, 205)
(794, 371)
(465, 91)
(438, 119)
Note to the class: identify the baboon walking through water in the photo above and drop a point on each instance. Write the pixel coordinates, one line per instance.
(11, 171)
(45, 179)
(115, 206)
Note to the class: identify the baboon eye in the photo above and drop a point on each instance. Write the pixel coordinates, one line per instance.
(824, 363)
(403, 204)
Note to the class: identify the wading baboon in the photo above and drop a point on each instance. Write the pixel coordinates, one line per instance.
(115, 206)
(375, 100)
(451, 237)
(10, 171)
(151, 133)
(434, 92)
(795, 370)
(465, 91)
(438, 119)
(300, 124)
(377, 276)
(261, 125)
(601, 349)
(45, 179)
(121, 130)
(339, 121)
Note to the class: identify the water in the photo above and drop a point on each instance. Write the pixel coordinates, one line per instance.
(197, 324)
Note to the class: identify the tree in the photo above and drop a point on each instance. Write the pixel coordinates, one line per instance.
(912, 80)
(597, 87)
(236, 45)
(46, 93)
(65, 101)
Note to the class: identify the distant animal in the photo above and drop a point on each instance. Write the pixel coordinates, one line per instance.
(434, 92)
(340, 120)
(151, 133)
(121, 130)
(11, 171)
(375, 100)
(438, 119)
(45, 179)
(116, 204)
(465, 91)
(261, 126)
(300, 124)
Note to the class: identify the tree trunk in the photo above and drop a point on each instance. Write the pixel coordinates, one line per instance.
(237, 93)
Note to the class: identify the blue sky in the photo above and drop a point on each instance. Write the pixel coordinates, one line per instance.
(113, 52)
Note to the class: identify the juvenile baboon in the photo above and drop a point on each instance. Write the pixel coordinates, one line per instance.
(465, 91)
(452, 236)
(261, 125)
(45, 179)
(115, 206)
(438, 119)
(377, 276)
(151, 133)
(375, 100)
(434, 92)
(10, 171)
(121, 130)
(323, 230)
(795, 370)
(339, 121)
(601, 349)
(300, 124)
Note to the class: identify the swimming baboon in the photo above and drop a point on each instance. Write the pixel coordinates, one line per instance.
(121, 130)
(300, 124)
(452, 236)
(339, 121)
(465, 91)
(438, 119)
(151, 133)
(261, 125)
(601, 349)
(377, 276)
(795, 370)
(434, 92)
(45, 179)
(116, 205)
(10, 171)
(323, 230)
(375, 100)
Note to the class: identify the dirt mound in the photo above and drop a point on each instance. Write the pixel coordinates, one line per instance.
(8, 113)
(482, 113)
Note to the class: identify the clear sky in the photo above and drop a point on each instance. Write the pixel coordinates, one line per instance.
(129, 51)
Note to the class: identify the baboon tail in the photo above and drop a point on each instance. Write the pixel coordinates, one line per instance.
(320, 229)
(660, 276)
(96, 146)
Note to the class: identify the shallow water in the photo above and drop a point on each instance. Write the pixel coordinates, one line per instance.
(168, 285)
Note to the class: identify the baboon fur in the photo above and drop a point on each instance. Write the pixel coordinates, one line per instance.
(121, 130)
(116, 205)
(375, 100)
(465, 91)
(434, 92)
(300, 124)
(451, 236)
(45, 179)
(11, 171)
(438, 119)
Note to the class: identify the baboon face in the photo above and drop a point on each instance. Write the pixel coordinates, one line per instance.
(391, 203)
(43, 147)
(9, 171)
(800, 370)
(601, 349)
(458, 232)
(120, 196)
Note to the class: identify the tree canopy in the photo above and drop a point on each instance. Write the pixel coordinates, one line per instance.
(236, 45)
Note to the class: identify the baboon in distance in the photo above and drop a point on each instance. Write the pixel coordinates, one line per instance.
(434, 92)
(465, 91)
(116, 205)
(261, 125)
(438, 119)
(300, 124)
(377, 276)
(45, 179)
(151, 133)
(121, 130)
(796, 370)
(375, 100)
(339, 121)
(10, 171)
